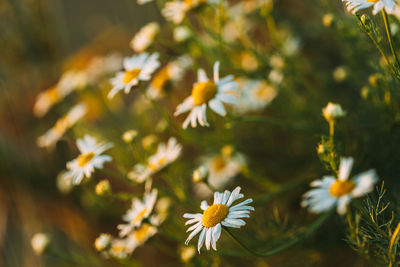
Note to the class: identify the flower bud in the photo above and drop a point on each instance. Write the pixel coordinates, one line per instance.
(200, 174)
(333, 112)
(40, 242)
(187, 253)
(102, 242)
(129, 136)
(327, 20)
(103, 188)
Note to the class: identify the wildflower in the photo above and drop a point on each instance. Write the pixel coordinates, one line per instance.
(139, 236)
(69, 81)
(332, 112)
(89, 159)
(223, 167)
(102, 242)
(166, 154)
(181, 33)
(275, 76)
(62, 125)
(340, 73)
(173, 71)
(207, 93)
(254, 95)
(137, 68)
(356, 5)
(149, 141)
(64, 185)
(129, 135)
(330, 192)
(328, 19)
(208, 223)
(187, 253)
(200, 174)
(119, 248)
(103, 188)
(39, 243)
(145, 37)
(139, 211)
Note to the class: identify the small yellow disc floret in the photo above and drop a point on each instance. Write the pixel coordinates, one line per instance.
(214, 215)
(340, 188)
(203, 92)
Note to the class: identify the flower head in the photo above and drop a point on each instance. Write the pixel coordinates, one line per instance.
(330, 192)
(206, 92)
(145, 37)
(333, 112)
(50, 138)
(40, 242)
(166, 154)
(139, 211)
(102, 242)
(356, 5)
(90, 158)
(220, 213)
(136, 68)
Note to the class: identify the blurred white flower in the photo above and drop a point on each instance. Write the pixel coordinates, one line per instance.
(356, 5)
(39, 242)
(254, 95)
(176, 10)
(333, 112)
(166, 154)
(207, 93)
(139, 211)
(142, 2)
(51, 137)
(181, 33)
(145, 37)
(137, 68)
(209, 223)
(102, 242)
(90, 158)
(330, 192)
(223, 167)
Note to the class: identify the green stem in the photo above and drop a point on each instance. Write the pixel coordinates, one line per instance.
(284, 246)
(389, 36)
(379, 48)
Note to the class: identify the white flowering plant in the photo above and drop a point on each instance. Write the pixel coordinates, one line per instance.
(220, 132)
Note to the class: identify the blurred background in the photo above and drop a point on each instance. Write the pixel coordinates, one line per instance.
(41, 39)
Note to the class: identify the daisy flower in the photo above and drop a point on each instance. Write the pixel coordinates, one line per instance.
(139, 211)
(173, 72)
(176, 10)
(69, 81)
(208, 223)
(54, 134)
(137, 68)
(145, 37)
(223, 167)
(166, 154)
(139, 236)
(330, 192)
(207, 93)
(90, 158)
(356, 5)
(254, 96)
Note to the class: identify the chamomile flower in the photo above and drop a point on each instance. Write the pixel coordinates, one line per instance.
(137, 68)
(139, 211)
(223, 167)
(221, 213)
(166, 154)
(90, 158)
(330, 192)
(51, 137)
(254, 95)
(176, 10)
(140, 235)
(206, 92)
(173, 72)
(145, 37)
(356, 5)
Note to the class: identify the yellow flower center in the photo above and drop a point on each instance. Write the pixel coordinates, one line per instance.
(219, 163)
(160, 79)
(85, 158)
(140, 216)
(62, 125)
(340, 188)
(214, 214)
(374, 1)
(154, 166)
(227, 151)
(193, 3)
(142, 232)
(203, 92)
(53, 95)
(129, 75)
